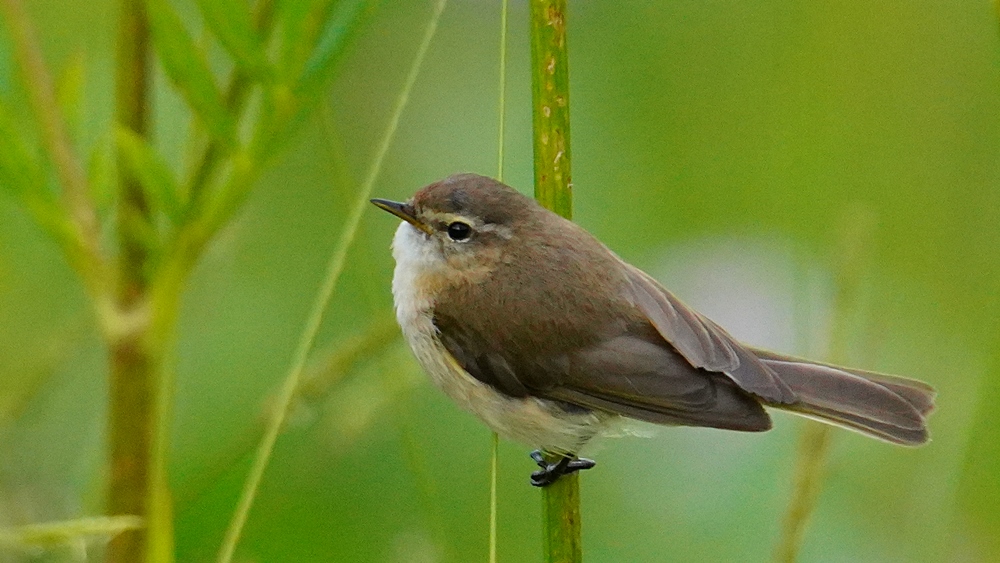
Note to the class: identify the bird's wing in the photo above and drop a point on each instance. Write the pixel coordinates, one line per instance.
(635, 374)
(702, 342)
(639, 376)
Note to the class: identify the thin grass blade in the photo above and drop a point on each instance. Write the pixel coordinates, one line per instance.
(501, 120)
(334, 269)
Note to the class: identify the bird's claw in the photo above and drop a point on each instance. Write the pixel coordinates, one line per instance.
(539, 458)
(551, 472)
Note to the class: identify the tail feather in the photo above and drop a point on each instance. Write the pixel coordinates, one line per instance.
(884, 406)
(917, 393)
(869, 427)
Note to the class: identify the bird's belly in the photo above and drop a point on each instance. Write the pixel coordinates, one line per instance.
(529, 420)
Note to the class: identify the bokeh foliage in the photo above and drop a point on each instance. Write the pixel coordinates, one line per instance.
(717, 145)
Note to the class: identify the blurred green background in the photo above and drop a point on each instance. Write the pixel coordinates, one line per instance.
(723, 146)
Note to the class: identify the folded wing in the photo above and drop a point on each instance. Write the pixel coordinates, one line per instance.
(635, 374)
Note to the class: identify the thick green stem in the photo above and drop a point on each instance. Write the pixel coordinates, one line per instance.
(561, 520)
(550, 106)
(135, 349)
(553, 189)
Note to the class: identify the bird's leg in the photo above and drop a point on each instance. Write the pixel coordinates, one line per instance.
(552, 471)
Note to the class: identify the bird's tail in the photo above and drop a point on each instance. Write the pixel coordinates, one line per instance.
(891, 408)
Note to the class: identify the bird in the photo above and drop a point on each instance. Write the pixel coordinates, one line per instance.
(529, 322)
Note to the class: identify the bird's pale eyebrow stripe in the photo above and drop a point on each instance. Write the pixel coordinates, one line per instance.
(500, 230)
(447, 218)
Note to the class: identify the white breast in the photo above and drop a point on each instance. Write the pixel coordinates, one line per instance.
(536, 422)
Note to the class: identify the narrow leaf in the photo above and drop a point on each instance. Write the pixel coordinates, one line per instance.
(285, 108)
(20, 172)
(56, 533)
(154, 174)
(100, 173)
(69, 91)
(231, 23)
(301, 22)
(333, 43)
(186, 65)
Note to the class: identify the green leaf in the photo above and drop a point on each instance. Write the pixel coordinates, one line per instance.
(100, 172)
(58, 533)
(22, 175)
(69, 91)
(301, 22)
(152, 171)
(286, 107)
(187, 67)
(231, 23)
(333, 43)
(20, 172)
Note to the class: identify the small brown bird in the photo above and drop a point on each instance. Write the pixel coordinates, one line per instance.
(530, 323)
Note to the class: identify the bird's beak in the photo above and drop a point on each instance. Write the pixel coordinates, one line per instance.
(402, 210)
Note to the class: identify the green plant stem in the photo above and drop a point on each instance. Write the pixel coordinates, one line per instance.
(494, 456)
(550, 106)
(85, 253)
(561, 520)
(136, 341)
(553, 189)
(335, 267)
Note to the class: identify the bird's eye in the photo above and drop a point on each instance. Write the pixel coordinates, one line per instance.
(459, 231)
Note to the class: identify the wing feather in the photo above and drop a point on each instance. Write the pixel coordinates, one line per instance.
(702, 342)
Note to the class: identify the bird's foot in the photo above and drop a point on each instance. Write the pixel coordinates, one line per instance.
(550, 472)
